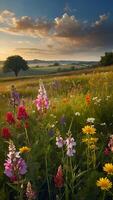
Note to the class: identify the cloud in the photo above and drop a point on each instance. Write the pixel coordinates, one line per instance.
(102, 18)
(6, 16)
(65, 34)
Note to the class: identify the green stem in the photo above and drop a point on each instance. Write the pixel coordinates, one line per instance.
(66, 187)
(47, 177)
(72, 175)
(27, 138)
(103, 195)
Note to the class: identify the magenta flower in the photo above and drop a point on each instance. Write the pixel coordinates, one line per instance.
(42, 102)
(15, 166)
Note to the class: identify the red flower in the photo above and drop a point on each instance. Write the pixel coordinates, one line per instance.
(106, 151)
(10, 118)
(22, 114)
(6, 133)
(58, 179)
(26, 125)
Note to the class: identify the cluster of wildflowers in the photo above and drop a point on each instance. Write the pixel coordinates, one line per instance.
(42, 102)
(105, 183)
(58, 179)
(30, 194)
(88, 138)
(15, 166)
(96, 100)
(69, 142)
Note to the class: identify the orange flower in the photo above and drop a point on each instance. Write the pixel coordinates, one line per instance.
(65, 100)
(88, 98)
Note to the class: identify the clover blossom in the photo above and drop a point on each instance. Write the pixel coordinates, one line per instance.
(15, 166)
(42, 102)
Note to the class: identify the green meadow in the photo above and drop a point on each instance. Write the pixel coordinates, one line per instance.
(73, 98)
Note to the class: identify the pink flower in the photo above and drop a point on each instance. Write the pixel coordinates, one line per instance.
(30, 194)
(42, 102)
(15, 166)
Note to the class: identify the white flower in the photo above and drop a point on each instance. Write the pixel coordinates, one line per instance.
(103, 124)
(70, 152)
(94, 98)
(70, 142)
(90, 120)
(59, 141)
(77, 114)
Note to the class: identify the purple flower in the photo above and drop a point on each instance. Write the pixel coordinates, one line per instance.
(59, 141)
(62, 120)
(51, 132)
(15, 166)
(15, 97)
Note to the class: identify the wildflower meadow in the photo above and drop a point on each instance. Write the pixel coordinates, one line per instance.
(56, 137)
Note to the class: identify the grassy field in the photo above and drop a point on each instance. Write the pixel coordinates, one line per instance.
(74, 97)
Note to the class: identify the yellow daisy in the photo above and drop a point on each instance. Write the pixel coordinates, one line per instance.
(89, 130)
(24, 149)
(108, 167)
(104, 183)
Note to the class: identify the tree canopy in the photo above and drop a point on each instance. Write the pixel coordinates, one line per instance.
(107, 59)
(16, 64)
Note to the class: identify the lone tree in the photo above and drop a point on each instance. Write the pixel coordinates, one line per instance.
(15, 64)
(107, 59)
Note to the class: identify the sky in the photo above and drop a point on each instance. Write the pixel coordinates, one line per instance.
(56, 29)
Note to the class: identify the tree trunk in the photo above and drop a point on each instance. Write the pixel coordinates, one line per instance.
(16, 73)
